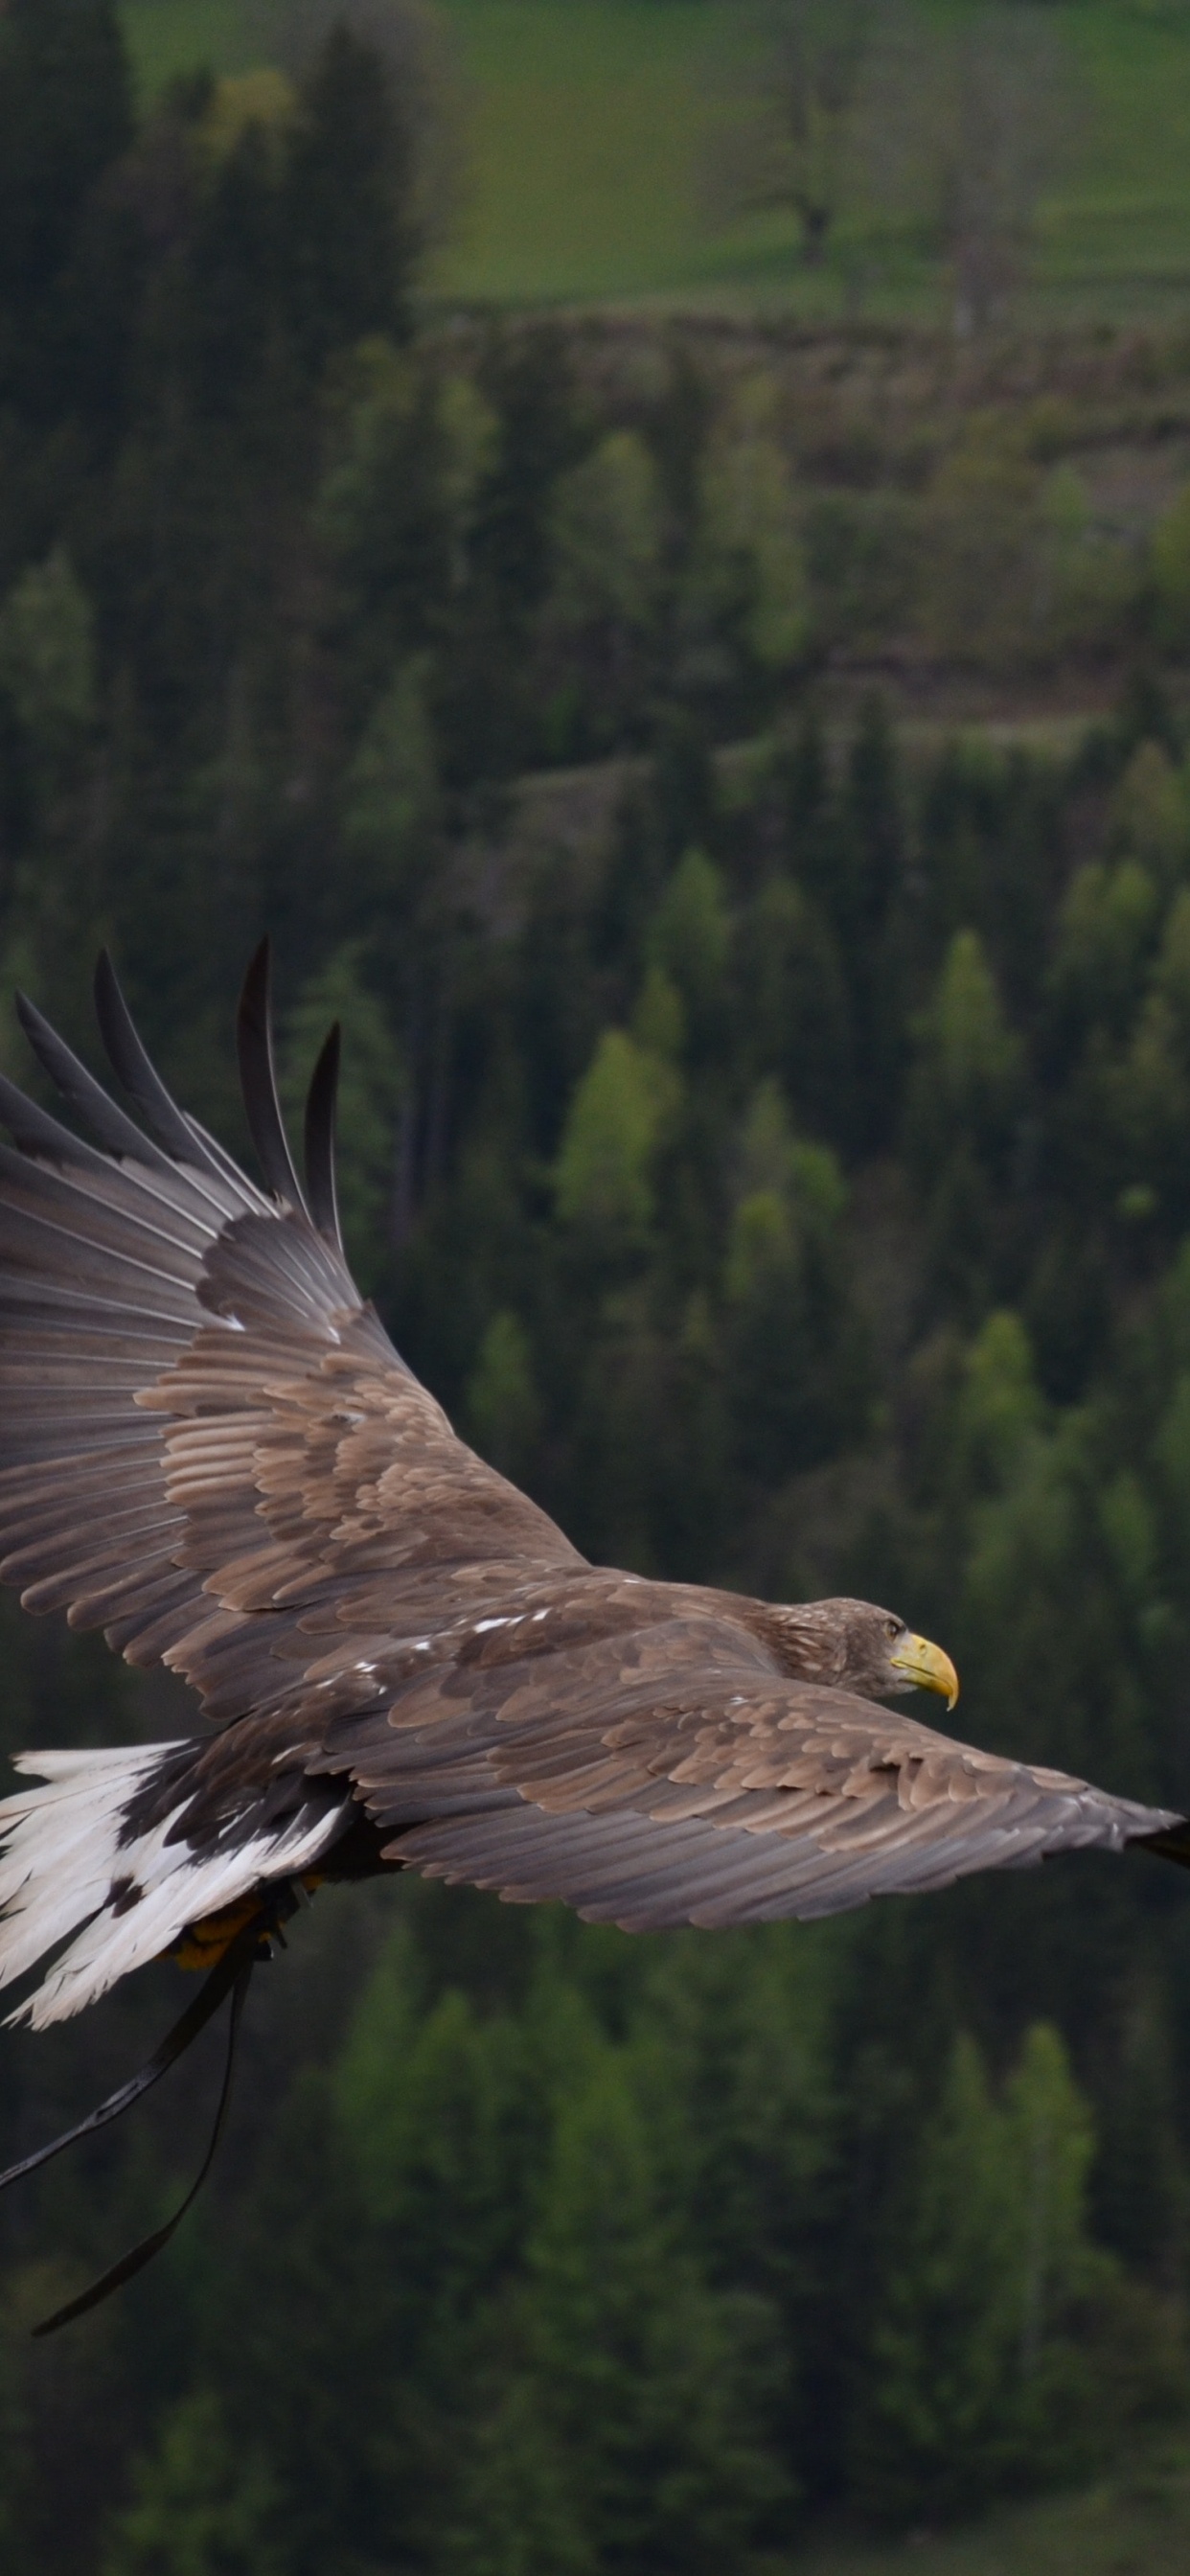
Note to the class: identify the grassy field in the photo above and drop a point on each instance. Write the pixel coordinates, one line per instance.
(1141, 2528)
(168, 36)
(588, 120)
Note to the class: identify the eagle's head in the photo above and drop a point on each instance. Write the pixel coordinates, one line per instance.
(853, 1645)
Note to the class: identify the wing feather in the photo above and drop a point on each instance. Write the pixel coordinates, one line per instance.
(116, 1132)
(199, 1419)
(320, 1139)
(258, 1077)
(753, 1805)
(130, 1061)
(210, 1449)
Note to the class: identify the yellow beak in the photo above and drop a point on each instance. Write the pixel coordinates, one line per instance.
(926, 1665)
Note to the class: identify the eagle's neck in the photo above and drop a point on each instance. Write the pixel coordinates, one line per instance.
(806, 1637)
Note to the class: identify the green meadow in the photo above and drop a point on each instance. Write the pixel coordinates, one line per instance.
(587, 131)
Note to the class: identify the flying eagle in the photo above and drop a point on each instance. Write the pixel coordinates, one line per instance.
(210, 1449)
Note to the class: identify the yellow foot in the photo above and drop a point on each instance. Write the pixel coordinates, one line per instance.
(203, 1943)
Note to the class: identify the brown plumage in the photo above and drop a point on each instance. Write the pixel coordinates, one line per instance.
(210, 1450)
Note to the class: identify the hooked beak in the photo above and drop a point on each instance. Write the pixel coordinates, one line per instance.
(916, 1660)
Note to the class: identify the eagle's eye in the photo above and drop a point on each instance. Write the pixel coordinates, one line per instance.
(894, 1628)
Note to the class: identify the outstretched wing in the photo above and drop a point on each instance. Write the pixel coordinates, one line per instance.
(209, 1449)
(664, 1773)
(208, 1446)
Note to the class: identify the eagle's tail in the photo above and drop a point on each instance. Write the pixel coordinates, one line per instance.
(75, 1867)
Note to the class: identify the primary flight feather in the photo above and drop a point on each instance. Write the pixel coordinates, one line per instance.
(210, 1449)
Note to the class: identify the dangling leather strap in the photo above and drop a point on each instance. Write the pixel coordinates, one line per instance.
(134, 2262)
(230, 1975)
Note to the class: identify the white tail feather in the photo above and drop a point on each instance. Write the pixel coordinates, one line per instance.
(60, 1851)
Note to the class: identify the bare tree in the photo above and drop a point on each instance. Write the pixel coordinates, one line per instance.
(788, 140)
(966, 130)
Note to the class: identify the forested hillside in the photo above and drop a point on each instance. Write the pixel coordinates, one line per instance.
(769, 1135)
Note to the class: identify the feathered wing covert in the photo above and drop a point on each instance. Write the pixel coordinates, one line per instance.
(210, 1449)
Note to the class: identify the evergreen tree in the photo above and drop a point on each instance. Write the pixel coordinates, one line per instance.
(689, 938)
(347, 231)
(503, 1405)
(645, 2381)
(65, 118)
(229, 288)
(974, 2373)
(616, 1119)
(300, 2329)
(798, 1363)
(202, 2505)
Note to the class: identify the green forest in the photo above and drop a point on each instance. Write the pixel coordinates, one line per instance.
(766, 1126)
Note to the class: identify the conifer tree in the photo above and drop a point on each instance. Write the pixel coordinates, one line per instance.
(347, 238)
(645, 2383)
(203, 2504)
(976, 2374)
(65, 117)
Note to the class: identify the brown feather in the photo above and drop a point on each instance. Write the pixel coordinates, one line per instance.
(209, 1447)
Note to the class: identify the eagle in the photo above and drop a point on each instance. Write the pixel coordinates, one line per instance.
(211, 1451)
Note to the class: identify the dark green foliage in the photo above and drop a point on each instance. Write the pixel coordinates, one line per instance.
(65, 118)
(202, 2505)
(778, 1161)
(650, 2387)
(976, 2376)
(345, 228)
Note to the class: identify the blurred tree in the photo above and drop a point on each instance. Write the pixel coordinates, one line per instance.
(604, 604)
(733, 2052)
(795, 1019)
(1104, 936)
(607, 534)
(65, 118)
(975, 2375)
(1151, 1093)
(47, 673)
(392, 805)
(646, 2380)
(684, 794)
(604, 1172)
(526, 379)
(203, 2504)
(747, 570)
(794, 139)
(47, 664)
(414, 47)
(999, 1408)
(348, 239)
(515, 2512)
(969, 129)
(1169, 559)
(394, 512)
(979, 566)
(1151, 813)
(961, 1098)
(300, 2331)
(503, 1407)
(1139, 2183)
(689, 939)
(227, 322)
(798, 1372)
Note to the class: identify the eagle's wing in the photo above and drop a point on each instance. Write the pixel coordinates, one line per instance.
(209, 1449)
(208, 1446)
(666, 1773)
